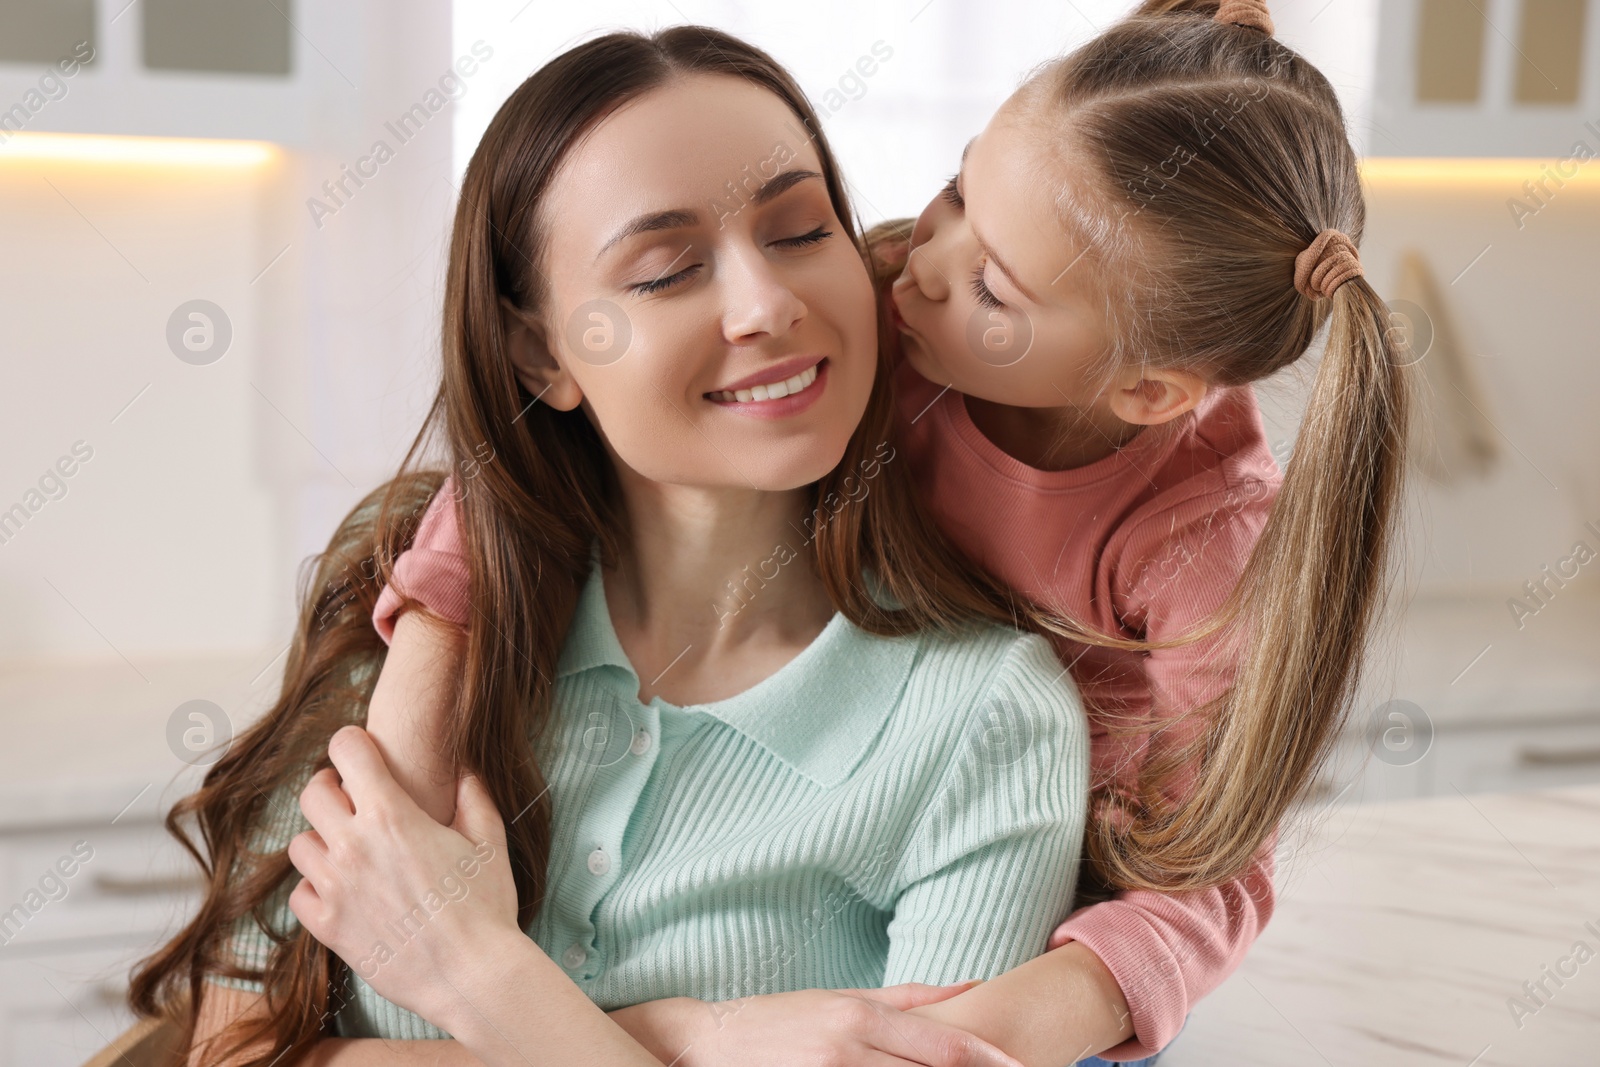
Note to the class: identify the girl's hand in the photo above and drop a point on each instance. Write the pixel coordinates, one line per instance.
(840, 1026)
(412, 906)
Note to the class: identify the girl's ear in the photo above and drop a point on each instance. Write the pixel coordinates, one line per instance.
(536, 366)
(1147, 396)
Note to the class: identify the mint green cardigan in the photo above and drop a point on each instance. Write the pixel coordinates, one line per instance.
(880, 810)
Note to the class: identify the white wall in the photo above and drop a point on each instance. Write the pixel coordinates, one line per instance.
(953, 63)
(182, 534)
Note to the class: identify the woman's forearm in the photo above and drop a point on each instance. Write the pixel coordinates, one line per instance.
(516, 1008)
(663, 1028)
(1054, 1009)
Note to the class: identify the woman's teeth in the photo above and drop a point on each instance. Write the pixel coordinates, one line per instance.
(772, 391)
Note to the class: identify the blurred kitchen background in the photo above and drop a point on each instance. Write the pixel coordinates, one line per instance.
(220, 312)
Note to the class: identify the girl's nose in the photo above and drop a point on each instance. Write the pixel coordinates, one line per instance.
(923, 265)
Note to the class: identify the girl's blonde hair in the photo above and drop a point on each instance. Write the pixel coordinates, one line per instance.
(1202, 158)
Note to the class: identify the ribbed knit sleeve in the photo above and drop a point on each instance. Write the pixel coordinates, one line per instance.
(433, 570)
(249, 943)
(993, 863)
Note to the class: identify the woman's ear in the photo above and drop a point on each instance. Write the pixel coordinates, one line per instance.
(1148, 396)
(536, 366)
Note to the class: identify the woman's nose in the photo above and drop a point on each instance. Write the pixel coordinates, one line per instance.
(760, 302)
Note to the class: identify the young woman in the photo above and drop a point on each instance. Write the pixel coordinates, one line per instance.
(837, 779)
(1146, 227)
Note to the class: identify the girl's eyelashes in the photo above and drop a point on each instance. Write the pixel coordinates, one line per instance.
(816, 236)
(951, 194)
(980, 289)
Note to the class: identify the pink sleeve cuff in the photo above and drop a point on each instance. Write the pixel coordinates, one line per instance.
(1167, 951)
(433, 570)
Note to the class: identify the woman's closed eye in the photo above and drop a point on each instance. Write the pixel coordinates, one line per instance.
(952, 194)
(816, 236)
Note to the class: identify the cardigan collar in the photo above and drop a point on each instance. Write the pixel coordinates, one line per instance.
(818, 714)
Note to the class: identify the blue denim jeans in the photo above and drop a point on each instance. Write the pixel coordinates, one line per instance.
(1096, 1061)
(1149, 1061)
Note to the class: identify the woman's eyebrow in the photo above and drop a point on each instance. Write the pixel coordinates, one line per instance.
(675, 219)
(678, 218)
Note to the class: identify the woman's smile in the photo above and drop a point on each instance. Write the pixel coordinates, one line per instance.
(771, 395)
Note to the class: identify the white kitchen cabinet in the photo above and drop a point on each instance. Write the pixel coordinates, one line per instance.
(1486, 78)
(57, 1009)
(170, 69)
(87, 762)
(1507, 709)
(1478, 758)
(64, 970)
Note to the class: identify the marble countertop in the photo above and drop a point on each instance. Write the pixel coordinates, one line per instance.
(1405, 931)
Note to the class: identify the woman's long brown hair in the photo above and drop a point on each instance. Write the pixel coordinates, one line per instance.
(1202, 158)
(538, 492)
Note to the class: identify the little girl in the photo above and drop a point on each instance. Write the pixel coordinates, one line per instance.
(1147, 226)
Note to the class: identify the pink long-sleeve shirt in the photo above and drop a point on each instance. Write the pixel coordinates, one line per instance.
(1142, 543)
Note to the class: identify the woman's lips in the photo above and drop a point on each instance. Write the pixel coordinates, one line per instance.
(791, 404)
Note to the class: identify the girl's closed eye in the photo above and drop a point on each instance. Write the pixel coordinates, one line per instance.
(980, 290)
(656, 285)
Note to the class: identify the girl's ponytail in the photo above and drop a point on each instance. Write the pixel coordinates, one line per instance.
(1308, 598)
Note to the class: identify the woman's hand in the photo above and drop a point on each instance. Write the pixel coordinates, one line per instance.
(412, 906)
(839, 1026)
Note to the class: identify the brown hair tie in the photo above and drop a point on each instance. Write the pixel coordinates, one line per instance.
(1327, 263)
(1251, 13)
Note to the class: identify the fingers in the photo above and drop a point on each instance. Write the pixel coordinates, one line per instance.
(307, 906)
(365, 777)
(910, 995)
(935, 1044)
(309, 854)
(324, 802)
(874, 1058)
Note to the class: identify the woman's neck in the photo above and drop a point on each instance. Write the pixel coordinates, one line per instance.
(718, 590)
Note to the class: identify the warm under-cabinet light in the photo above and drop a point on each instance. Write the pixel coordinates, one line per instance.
(154, 151)
(1499, 171)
